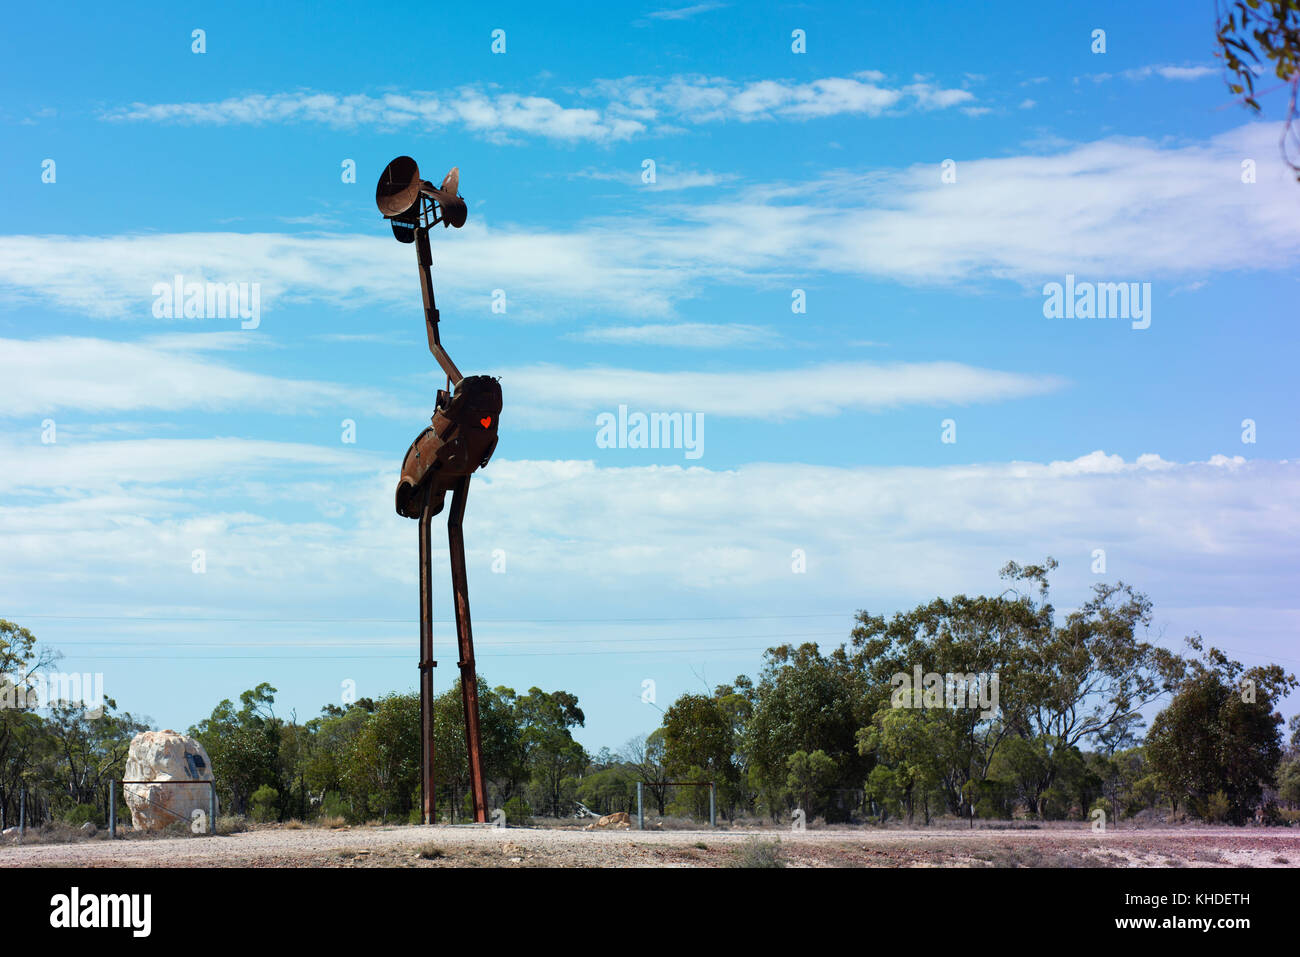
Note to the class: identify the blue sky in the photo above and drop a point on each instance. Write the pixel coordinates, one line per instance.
(775, 171)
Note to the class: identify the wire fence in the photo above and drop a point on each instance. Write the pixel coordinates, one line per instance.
(664, 805)
(520, 805)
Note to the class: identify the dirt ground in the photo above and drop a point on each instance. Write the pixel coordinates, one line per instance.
(486, 846)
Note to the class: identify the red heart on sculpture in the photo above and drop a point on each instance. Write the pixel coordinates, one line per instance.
(485, 422)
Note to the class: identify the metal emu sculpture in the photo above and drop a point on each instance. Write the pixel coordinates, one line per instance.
(461, 438)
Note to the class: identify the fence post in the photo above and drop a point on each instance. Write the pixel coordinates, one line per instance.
(22, 814)
(640, 805)
(713, 805)
(212, 809)
(112, 810)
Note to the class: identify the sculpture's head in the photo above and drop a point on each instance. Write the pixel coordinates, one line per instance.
(411, 203)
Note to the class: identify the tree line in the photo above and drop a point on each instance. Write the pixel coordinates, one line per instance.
(830, 733)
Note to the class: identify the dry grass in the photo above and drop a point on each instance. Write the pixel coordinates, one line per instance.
(1032, 856)
(761, 854)
(56, 833)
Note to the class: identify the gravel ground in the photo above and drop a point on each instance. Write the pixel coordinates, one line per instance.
(485, 846)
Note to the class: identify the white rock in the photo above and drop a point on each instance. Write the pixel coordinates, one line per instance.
(9, 832)
(166, 756)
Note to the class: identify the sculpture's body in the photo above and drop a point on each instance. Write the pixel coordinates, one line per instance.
(461, 438)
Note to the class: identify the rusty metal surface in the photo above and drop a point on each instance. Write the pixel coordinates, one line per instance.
(412, 204)
(465, 639)
(399, 185)
(425, 260)
(452, 210)
(427, 664)
(461, 437)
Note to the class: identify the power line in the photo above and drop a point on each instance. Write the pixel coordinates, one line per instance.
(407, 621)
(1266, 656)
(396, 642)
(530, 654)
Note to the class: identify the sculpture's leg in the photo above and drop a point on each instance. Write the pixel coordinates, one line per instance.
(427, 663)
(468, 675)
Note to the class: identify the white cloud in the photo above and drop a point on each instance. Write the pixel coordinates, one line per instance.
(690, 335)
(930, 98)
(667, 177)
(296, 532)
(167, 373)
(170, 373)
(699, 528)
(696, 98)
(685, 13)
(75, 469)
(1165, 72)
(547, 393)
(1116, 209)
(122, 518)
(495, 114)
(114, 276)
(619, 109)
(1185, 72)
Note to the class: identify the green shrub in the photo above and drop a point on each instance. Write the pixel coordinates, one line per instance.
(1217, 807)
(1145, 794)
(332, 805)
(79, 814)
(262, 805)
(1055, 804)
(1288, 781)
(518, 812)
(992, 799)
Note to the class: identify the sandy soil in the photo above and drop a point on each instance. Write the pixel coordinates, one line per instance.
(485, 846)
